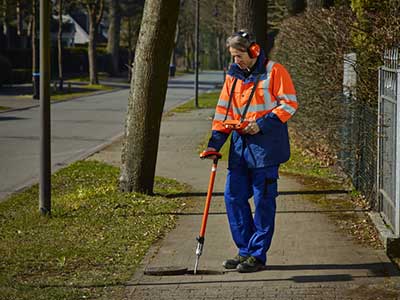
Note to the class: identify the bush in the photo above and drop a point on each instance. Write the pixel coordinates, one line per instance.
(20, 58)
(329, 127)
(19, 76)
(75, 60)
(314, 57)
(5, 67)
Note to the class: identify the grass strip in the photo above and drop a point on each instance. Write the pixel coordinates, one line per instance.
(3, 107)
(206, 100)
(92, 242)
(73, 92)
(82, 91)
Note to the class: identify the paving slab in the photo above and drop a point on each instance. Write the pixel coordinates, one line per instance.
(310, 258)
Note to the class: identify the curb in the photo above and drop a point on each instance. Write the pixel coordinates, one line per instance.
(390, 241)
(61, 101)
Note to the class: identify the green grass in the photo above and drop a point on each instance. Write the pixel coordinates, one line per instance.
(224, 150)
(301, 163)
(92, 242)
(206, 100)
(181, 73)
(75, 92)
(3, 107)
(83, 90)
(86, 78)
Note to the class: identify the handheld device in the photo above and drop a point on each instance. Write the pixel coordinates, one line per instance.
(235, 124)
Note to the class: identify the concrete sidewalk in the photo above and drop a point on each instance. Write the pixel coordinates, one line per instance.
(310, 257)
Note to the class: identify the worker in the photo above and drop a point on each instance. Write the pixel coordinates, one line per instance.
(255, 103)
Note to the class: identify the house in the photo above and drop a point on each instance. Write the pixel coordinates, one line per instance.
(76, 30)
(69, 31)
(81, 22)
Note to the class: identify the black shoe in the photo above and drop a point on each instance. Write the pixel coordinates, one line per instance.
(234, 262)
(251, 264)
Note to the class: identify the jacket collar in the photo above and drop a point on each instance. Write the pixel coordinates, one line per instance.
(258, 68)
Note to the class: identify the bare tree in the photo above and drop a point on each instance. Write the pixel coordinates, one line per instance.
(186, 25)
(19, 18)
(114, 35)
(35, 52)
(173, 55)
(59, 43)
(252, 15)
(95, 9)
(147, 95)
(131, 13)
(234, 16)
(6, 21)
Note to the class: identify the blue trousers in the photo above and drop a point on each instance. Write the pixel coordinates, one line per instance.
(252, 235)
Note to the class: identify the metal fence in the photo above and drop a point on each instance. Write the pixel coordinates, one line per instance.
(358, 152)
(388, 160)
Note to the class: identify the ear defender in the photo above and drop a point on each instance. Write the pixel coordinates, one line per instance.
(254, 49)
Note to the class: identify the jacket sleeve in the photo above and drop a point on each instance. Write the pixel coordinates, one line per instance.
(219, 132)
(283, 90)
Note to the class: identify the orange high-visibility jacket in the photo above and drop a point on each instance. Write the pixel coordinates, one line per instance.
(273, 104)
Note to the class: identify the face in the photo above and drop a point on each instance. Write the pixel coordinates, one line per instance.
(242, 58)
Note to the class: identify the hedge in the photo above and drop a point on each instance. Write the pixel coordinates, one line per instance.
(5, 67)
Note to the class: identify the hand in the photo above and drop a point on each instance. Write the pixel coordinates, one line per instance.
(212, 156)
(252, 128)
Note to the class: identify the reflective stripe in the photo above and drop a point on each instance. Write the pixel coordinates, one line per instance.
(287, 108)
(236, 110)
(265, 84)
(222, 103)
(257, 108)
(221, 117)
(287, 97)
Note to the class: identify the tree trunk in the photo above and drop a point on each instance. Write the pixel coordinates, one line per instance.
(252, 16)
(219, 52)
(234, 16)
(188, 54)
(6, 25)
(59, 44)
(95, 14)
(18, 14)
(114, 36)
(35, 52)
(93, 78)
(130, 49)
(147, 95)
(192, 52)
(172, 62)
(19, 23)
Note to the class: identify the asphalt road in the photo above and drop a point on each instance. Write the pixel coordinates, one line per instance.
(79, 127)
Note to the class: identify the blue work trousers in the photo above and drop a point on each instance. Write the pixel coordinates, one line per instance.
(252, 235)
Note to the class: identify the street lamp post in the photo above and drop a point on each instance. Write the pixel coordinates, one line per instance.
(196, 84)
(45, 135)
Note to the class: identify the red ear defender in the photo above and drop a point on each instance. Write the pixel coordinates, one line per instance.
(254, 50)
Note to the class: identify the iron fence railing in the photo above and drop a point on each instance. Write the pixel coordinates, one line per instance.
(388, 156)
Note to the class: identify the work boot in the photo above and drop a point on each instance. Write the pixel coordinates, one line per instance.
(251, 264)
(233, 262)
